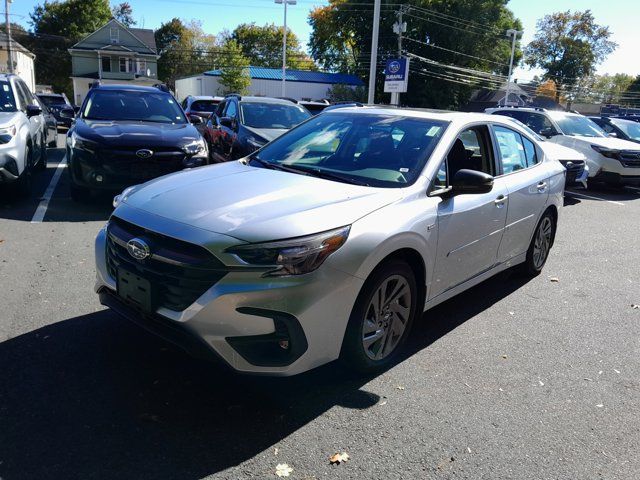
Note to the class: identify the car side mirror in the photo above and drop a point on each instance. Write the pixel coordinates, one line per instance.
(33, 110)
(613, 134)
(195, 119)
(67, 113)
(227, 122)
(548, 132)
(471, 181)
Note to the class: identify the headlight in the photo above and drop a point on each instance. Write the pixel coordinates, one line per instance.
(295, 256)
(78, 142)
(196, 149)
(607, 152)
(118, 199)
(7, 133)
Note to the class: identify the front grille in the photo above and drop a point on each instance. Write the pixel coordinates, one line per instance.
(574, 169)
(630, 159)
(178, 272)
(126, 162)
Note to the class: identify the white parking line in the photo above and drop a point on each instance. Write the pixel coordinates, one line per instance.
(634, 188)
(38, 216)
(594, 198)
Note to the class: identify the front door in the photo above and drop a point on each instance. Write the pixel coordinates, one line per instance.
(470, 226)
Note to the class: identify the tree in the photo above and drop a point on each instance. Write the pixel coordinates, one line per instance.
(568, 46)
(124, 14)
(465, 33)
(634, 87)
(235, 72)
(346, 93)
(58, 25)
(262, 45)
(547, 89)
(184, 49)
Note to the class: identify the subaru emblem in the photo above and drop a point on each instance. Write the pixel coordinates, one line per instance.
(144, 153)
(138, 249)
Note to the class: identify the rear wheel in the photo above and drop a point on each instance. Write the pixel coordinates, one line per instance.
(381, 318)
(540, 245)
(42, 164)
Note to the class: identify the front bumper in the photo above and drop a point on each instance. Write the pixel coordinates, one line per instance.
(9, 159)
(277, 326)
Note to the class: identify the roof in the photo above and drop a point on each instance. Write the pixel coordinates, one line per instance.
(122, 87)
(15, 46)
(146, 36)
(304, 76)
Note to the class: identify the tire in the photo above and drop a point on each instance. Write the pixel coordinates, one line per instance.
(78, 193)
(372, 341)
(42, 164)
(24, 184)
(540, 246)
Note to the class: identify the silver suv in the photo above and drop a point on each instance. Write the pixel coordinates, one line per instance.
(329, 241)
(23, 144)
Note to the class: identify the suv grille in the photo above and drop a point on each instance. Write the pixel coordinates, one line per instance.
(178, 272)
(630, 159)
(124, 161)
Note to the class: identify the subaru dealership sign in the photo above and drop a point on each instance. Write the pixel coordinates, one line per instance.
(396, 75)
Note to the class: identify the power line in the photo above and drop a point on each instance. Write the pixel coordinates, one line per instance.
(454, 51)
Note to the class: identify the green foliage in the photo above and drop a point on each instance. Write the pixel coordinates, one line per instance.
(184, 49)
(124, 14)
(346, 93)
(58, 25)
(634, 87)
(568, 46)
(262, 45)
(341, 41)
(235, 72)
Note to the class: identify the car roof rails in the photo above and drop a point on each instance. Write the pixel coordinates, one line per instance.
(162, 87)
(236, 95)
(352, 104)
(95, 84)
(288, 98)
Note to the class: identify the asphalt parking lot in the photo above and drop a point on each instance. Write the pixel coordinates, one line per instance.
(513, 379)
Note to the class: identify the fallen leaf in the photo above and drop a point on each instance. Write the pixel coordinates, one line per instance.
(275, 452)
(468, 450)
(588, 379)
(283, 470)
(541, 383)
(382, 403)
(400, 387)
(338, 458)
(504, 356)
(617, 371)
(635, 307)
(600, 405)
(554, 279)
(512, 313)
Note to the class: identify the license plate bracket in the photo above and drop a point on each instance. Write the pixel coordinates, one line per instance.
(135, 290)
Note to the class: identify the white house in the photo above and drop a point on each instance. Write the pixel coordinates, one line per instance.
(22, 61)
(300, 84)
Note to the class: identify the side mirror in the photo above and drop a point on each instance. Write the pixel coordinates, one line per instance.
(67, 113)
(613, 134)
(227, 122)
(548, 132)
(195, 119)
(471, 181)
(32, 110)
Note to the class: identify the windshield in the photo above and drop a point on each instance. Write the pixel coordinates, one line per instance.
(204, 106)
(7, 100)
(630, 129)
(134, 106)
(272, 115)
(49, 100)
(376, 150)
(578, 125)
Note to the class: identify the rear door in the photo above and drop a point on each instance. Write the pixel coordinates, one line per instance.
(470, 226)
(228, 134)
(527, 182)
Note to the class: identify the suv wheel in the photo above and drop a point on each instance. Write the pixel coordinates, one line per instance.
(24, 184)
(381, 318)
(540, 245)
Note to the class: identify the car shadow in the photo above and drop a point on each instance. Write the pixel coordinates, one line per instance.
(97, 397)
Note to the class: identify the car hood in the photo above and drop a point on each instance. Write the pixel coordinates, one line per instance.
(608, 142)
(267, 133)
(559, 152)
(135, 134)
(256, 204)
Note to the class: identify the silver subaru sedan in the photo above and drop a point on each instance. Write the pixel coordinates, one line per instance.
(328, 242)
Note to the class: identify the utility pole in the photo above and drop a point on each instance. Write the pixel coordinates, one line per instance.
(8, 24)
(514, 33)
(284, 43)
(374, 52)
(399, 28)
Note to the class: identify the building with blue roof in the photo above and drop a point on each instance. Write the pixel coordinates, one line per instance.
(301, 84)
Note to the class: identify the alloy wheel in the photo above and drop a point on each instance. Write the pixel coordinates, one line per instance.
(542, 242)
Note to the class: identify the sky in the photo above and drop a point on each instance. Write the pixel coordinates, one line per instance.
(216, 15)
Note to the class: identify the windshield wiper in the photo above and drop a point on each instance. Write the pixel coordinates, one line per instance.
(320, 173)
(269, 165)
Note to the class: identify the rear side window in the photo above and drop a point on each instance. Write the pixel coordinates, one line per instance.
(516, 152)
(530, 151)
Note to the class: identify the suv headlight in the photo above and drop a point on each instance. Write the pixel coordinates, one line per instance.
(295, 256)
(7, 133)
(607, 152)
(80, 143)
(196, 149)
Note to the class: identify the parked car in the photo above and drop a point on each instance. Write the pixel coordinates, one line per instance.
(57, 102)
(329, 241)
(200, 106)
(50, 124)
(619, 128)
(242, 125)
(634, 117)
(22, 134)
(314, 107)
(126, 134)
(612, 161)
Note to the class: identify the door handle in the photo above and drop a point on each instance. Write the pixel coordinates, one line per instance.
(542, 186)
(500, 201)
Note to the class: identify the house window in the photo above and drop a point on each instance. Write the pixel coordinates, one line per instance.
(127, 65)
(114, 33)
(106, 64)
(141, 67)
(123, 65)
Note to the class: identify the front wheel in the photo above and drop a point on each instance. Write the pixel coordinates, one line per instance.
(381, 318)
(42, 164)
(540, 245)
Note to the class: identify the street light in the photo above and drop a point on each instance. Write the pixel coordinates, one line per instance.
(511, 33)
(284, 42)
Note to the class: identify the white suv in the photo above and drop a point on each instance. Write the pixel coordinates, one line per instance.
(22, 134)
(610, 160)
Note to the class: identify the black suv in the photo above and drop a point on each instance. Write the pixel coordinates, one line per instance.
(241, 125)
(125, 135)
(56, 102)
